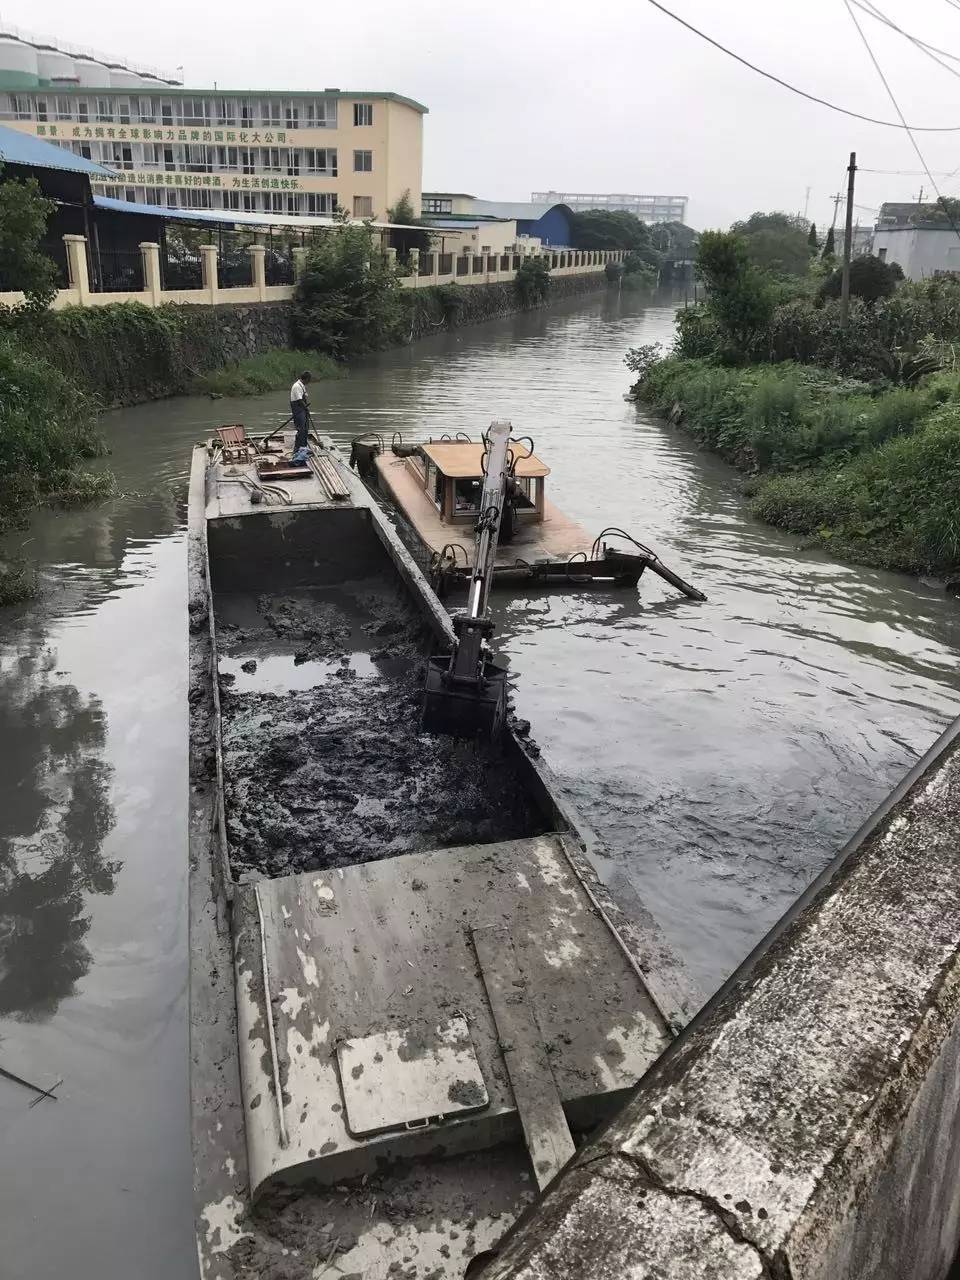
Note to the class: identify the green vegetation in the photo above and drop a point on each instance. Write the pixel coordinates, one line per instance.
(776, 242)
(269, 371)
(532, 282)
(850, 432)
(870, 279)
(873, 474)
(23, 223)
(48, 431)
(418, 237)
(348, 299)
(829, 245)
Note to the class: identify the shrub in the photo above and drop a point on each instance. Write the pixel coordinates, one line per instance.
(47, 428)
(532, 282)
(870, 279)
(348, 298)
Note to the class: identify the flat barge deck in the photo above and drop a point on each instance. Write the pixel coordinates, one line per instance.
(410, 995)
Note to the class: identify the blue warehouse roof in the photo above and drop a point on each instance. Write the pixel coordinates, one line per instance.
(21, 148)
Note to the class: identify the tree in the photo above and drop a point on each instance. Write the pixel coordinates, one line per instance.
(603, 229)
(403, 241)
(740, 299)
(778, 242)
(532, 281)
(24, 211)
(812, 238)
(348, 299)
(829, 245)
(870, 279)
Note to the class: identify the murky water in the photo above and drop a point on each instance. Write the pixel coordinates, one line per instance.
(724, 751)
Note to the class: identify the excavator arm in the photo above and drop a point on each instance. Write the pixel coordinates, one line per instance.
(466, 692)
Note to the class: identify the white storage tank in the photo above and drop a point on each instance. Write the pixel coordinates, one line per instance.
(91, 73)
(17, 56)
(122, 78)
(52, 64)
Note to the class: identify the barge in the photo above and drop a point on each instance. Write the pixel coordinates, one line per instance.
(411, 997)
(437, 485)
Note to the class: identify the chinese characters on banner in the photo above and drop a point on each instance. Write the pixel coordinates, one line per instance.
(144, 133)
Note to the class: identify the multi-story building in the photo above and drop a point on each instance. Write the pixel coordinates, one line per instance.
(647, 208)
(257, 151)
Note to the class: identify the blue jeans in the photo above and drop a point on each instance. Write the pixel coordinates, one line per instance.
(301, 421)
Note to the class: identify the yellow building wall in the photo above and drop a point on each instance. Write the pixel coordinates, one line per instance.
(404, 153)
(395, 138)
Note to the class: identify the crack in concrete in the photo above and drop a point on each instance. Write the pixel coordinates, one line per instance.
(772, 1268)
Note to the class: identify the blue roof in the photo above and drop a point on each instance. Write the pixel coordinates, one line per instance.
(21, 148)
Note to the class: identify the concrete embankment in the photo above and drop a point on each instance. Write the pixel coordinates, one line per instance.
(807, 1123)
(126, 355)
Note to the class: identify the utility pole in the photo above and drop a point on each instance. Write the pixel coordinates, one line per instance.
(920, 196)
(806, 205)
(836, 204)
(845, 278)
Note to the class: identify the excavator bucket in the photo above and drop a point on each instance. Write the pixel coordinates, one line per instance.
(464, 711)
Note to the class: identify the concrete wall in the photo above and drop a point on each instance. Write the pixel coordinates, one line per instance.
(404, 154)
(79, 293)
(920, 251)
(806, 1125)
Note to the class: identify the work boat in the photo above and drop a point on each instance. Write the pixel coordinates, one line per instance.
(410, 994)
(436, 486)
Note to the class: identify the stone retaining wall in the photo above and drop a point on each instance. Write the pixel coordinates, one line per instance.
(806, 1125)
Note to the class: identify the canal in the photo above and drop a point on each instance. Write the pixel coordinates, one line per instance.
(723, 751)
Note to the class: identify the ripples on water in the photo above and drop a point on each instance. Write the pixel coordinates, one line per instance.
(723, 750)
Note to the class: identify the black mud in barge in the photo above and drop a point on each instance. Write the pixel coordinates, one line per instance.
(409, 994)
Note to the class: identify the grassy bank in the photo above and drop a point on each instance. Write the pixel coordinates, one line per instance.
(874, 475)
(269, 371)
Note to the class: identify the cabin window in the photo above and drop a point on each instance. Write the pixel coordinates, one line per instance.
(467, 495)
(434, 484)
(524, 493)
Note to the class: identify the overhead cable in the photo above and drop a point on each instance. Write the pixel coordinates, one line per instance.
(896, 106)
(811, 97)
(931, 50)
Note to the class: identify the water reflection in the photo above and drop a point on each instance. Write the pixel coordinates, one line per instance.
(54, 795)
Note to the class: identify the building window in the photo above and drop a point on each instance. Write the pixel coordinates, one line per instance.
(436, 205)
(104, 108)
(321, 114)
(226, 112)
(321, 203)
(64, 109)
(363, 162)
(363, 206)
(147, 110)
(120, 156)
(362, 113)
(291, 113)
(41, 108)
(83, 149)
(270, 111)
(248, 158)
(21, 107)
(192, 111)
(227, 158)
(171, 199)
(83, 111)
(166, 111)
(123, 110)
(322, 160)
(152, 195)
(882, 255)
(231, 199)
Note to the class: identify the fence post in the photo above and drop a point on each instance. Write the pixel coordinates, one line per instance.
(415, 266)
(77, 274)
(208, 267)
(300, 252)
(258, 269)
(391, 257)
(150, 254)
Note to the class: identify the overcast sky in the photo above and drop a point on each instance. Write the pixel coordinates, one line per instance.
(608, 96)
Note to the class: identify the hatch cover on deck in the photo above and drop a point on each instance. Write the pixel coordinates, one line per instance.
(399, 1079)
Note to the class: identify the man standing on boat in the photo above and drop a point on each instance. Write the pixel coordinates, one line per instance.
(300, 409)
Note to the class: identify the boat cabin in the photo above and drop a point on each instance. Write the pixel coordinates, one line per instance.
(451, 474)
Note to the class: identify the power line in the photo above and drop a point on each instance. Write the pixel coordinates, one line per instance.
(931, 50)
(811, 97)
(896, 107)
